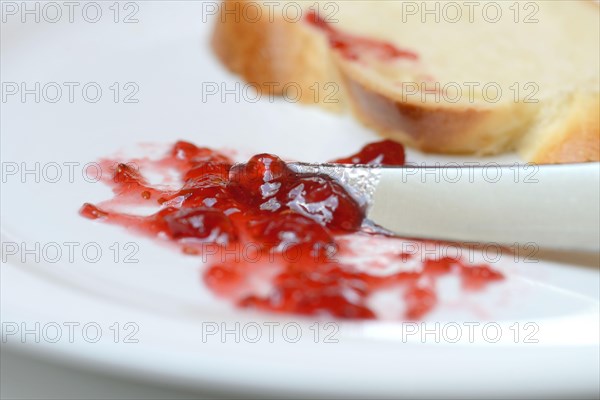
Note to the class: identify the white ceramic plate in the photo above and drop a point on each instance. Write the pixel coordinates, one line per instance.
(544, 317)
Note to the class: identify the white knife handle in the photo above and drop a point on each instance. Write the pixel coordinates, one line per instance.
(549, 206)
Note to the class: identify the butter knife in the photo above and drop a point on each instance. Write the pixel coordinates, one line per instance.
(549, 206)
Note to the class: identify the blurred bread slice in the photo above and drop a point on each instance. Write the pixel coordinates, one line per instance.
(518, 76)
(565, 131)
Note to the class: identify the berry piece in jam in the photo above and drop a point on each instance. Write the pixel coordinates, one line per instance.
(191, 155)
(326, 202)
(127, 180)
(200, 223)
(184, 150)
(208, 169)
(258, 179)
(386, 152)
(290, 231)
(205, 191)
(127, 174)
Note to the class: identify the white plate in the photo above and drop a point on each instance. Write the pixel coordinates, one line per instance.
(166, 55)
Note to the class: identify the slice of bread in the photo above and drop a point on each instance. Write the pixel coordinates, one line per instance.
(441, 76)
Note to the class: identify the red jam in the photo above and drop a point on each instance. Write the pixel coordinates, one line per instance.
(290, 229)
(386, 152)
(352, 47)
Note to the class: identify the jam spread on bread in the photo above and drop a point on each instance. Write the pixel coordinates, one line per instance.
(352, 46)
(259, 221)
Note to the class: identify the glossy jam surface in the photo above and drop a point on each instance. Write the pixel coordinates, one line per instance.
(261, 221)
(386, 152)
(354, 47)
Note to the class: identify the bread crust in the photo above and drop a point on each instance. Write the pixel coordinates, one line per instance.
(267, 51)
(434, 127)
(282, 57)
(574, 137)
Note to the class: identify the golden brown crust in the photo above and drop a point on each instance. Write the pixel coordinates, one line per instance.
(436, 128)
(429, 130)
(574, 138)
(278, 55)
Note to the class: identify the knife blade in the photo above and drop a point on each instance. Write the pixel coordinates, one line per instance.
(550, 206)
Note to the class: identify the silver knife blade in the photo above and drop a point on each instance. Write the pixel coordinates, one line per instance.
(550, 206)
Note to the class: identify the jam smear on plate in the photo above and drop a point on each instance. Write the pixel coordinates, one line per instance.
(259, 221)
